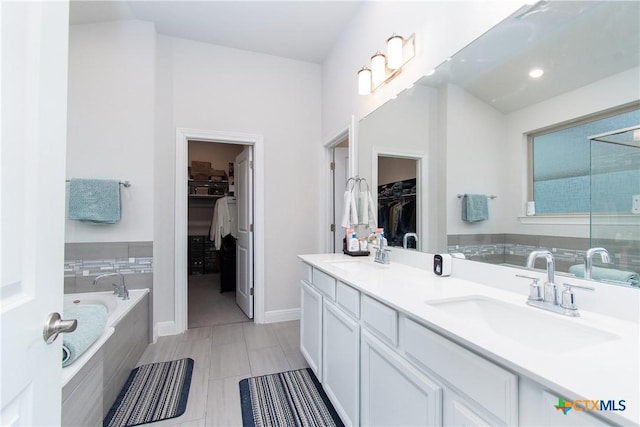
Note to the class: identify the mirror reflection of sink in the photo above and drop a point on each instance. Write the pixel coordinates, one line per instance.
(358, 265)
(522, 324)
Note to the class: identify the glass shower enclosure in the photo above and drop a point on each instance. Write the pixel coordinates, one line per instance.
(615, 199)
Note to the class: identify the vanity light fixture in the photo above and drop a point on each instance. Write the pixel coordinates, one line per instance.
(386, 67)
(536, 73)
(364, 81)
(378, 68)
(394, 50)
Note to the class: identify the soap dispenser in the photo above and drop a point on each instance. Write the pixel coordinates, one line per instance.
(442, 264)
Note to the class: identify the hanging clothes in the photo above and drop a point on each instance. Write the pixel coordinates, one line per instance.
(397, 210)
(224, 221)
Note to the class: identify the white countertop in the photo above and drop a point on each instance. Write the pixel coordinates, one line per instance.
(595, 371)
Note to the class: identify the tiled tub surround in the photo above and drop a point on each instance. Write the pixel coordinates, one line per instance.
(514, 248)
(85, 261)
(108, 368)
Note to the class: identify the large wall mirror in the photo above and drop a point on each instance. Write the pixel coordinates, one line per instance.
(473, 124)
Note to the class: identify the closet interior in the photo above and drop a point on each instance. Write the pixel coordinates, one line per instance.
(397, 200)
(212, 232)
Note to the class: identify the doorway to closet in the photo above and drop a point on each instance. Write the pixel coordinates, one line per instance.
(219, 251)
(252, 222)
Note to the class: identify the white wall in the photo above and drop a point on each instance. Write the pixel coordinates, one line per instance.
(223, 89)
(442, 28)
(130, 89)
(111, 122)
(476, 135)
(499, 161)
(602, 95)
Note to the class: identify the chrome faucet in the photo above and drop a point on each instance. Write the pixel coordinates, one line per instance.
(550, 299)
(405, 239)
(588, 260)
(550, 287)
(119, 290)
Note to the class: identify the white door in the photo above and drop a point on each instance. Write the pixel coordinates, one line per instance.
(34, 56)
(244, 245)
(340, 174)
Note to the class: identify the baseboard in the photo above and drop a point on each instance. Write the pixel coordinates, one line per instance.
(276, 316)
(163, 329)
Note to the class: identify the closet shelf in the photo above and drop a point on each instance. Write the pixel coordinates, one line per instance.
(396, 197)
(205, 196)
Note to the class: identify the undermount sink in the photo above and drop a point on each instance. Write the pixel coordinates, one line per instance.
(357, 265)
(539, 330)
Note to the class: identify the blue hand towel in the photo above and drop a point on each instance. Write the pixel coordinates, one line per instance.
(475, 208)
(92, 319)
(94, 200)
(611, 274)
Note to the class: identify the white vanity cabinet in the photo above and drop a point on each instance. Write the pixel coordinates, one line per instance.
(539, 409)
(481, 392)
(379, 367)
(330, 339)
(393, 392)
(341, 361)
(311, 327)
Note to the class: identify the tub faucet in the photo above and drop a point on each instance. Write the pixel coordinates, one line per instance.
(550, 287)
(588, 260)
(119, 290)
(405, 239)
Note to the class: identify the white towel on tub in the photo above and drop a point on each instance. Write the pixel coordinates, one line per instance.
(92, 319)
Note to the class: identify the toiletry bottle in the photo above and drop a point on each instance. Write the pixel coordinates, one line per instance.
(379, 233)
(383, 240)
(354, 246)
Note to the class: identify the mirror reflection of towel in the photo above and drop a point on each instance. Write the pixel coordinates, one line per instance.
(603, 273)
(475, 208)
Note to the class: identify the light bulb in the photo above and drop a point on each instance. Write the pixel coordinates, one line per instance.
(394, 51)
(536, 73)
(378, 68)
(364, 81)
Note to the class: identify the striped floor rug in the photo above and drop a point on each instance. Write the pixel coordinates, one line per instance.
(293, 398)
(152, 393)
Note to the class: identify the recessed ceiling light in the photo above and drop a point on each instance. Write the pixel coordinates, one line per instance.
(536, 73)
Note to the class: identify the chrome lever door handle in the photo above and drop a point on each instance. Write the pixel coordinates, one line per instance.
(55, 325)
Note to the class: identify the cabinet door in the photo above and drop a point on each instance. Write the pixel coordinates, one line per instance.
(341, 361)
(393, 392)
(311, 328)
(460, 412)
(554, 417)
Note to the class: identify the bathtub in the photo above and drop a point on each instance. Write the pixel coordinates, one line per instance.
(116, 308)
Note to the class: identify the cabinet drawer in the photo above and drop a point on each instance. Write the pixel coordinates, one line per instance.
(306, 273)
(325, 283)
(380, 319)
(490, 386)
(348, 299)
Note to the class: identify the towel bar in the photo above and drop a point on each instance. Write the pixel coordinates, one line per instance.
(126, 184)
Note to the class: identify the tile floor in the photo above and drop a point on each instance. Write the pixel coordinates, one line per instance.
(224, 355)
(209, 307)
